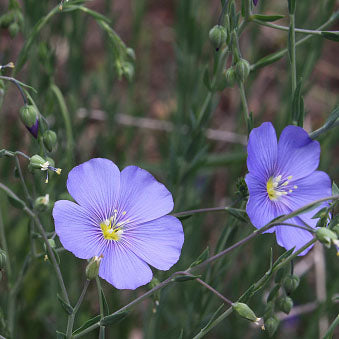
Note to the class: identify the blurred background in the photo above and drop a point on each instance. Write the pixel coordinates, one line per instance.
(151, 121)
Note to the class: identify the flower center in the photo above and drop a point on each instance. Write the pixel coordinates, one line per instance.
(111, 228)
(277, 187)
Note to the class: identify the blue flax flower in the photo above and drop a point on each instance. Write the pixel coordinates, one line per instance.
(282, 178)
(120, 216)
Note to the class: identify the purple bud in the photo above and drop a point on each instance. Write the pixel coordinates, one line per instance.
(34, 129)
(255, 2)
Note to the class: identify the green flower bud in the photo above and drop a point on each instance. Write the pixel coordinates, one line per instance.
(230, 77)
(49, 139)
(326, 236)
(291, 283)
(37, 162)
(128, 71)
(3, 259)
(28, 115)
(130, 52)
(51, 243)
(218, 36)
(242, 69)
(271, 325)
(92, 269)
(14, 29)
(285, 304)
(245, 312)
(7, 19)
(42, 203)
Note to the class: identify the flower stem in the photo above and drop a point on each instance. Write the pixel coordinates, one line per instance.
(244, 105)
(292, 47)
(16, 83)
(204, 210)
(203, 283)
(101, 307)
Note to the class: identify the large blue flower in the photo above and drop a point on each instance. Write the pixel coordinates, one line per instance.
(121, 217)
(283, 177)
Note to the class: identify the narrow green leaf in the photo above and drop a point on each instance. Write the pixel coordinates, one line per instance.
(213, 317)
(237, 214)
(332, 118)
(283, 257)
(104, 301)
(202, 257)
(267, 18)
(182, 278)
(113, 318)
(67, 307)
(206, 79)
(88, 323)
(335, 189)
(273, 294)
(296, 103)
(334, 36)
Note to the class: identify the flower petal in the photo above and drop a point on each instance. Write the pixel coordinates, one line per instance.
(290, 237)
(310, 188)
(298, 153)
(142, 196)
(95, 185)
(262, 151)
(158, 242)
(122, 268)
(77, 230)
(260, 209)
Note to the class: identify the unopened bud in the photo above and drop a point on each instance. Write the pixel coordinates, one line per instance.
(271, 325)
(242, 69)
(291, 283)
(285, 304)
(51, 244)
(230, 77)
(326, 236)
(3, 259)
(30, 119)
(14, 29)
(37, 162)
(49, 139)
(92, 269)
(218, 36)
(245, 312)
(41, 203)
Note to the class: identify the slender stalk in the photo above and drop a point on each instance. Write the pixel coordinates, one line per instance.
(71, 317)
(214, 323)
(244, 104)
(204, 210)
(285, 28)
(101, 307)
(280, 54)
(203, 283)
(293, 53)
(28, 196)
(3, 243)
(329, 333)
(17, 84)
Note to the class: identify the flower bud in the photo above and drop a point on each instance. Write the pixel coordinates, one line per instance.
(37, 162)
(51, 243)
(30, 119)
(3, 259)
(92, 269)
(49, 139)
(218, 35)
(291, 283)
(271, 325)
(13, 29)
(285, 304)
(242, 69)
(326, 236)
(245, 312)
(230, 76)
(41, 203)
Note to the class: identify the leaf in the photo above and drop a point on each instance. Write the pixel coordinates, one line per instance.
(202, 257)
(181, 334)
(267, 60)
(332, 118)
(184, 217)
(206, 79)
(321, 213)
(267, 18)
(67, 307)
(113, 318)
(296, 104)
(213, 317)
(236, 213)
(182, 278)
(334, 36)
(60, 335)
(335, 189)
(88, 323)
(104, 302)
(283, 257)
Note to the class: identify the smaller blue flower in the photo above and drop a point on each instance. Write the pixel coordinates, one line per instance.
(282, 178)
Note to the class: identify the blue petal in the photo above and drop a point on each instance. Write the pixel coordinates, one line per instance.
(122, 268)
(78, 231)
(158, 242)
(95, 185)
(298, 154)
(142, 196)
(260, 209)
(262, 151)
(313, 187)
(290, 237)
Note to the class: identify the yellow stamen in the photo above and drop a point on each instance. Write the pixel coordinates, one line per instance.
(109, 232)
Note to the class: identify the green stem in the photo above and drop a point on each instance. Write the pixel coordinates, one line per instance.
(204, 210)
(329, 333)
(101, 307)
(244, 105)
(293, 53)
(285, 28)
(209, 287)
(71, 317)
(214, 323)
(28, 196)
(4, 246)
(278, 55)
